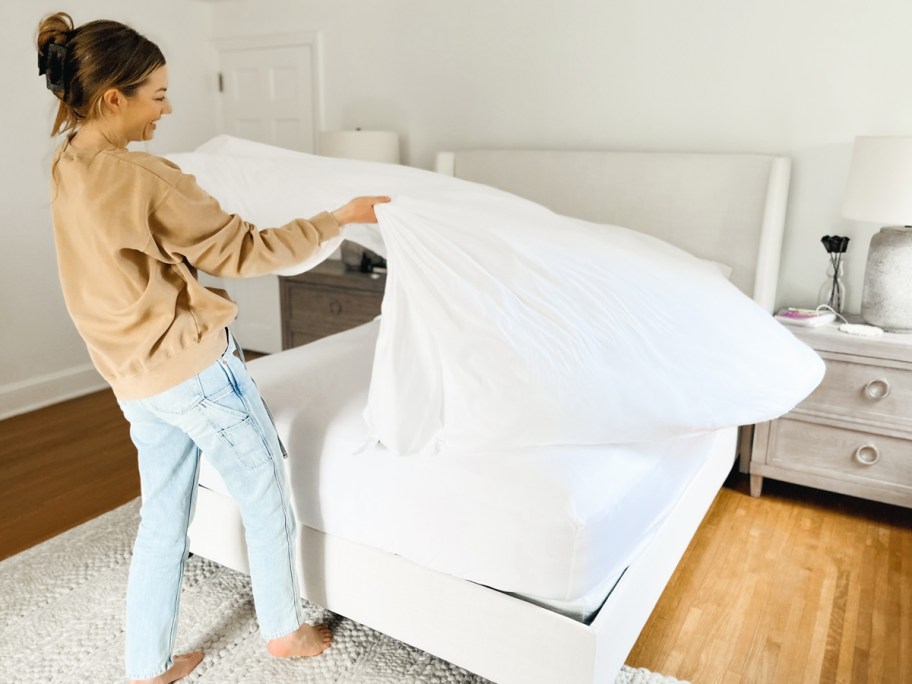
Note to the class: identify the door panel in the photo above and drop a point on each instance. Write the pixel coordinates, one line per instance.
(270, 95)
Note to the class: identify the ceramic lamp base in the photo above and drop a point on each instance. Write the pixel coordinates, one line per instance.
(886, 300)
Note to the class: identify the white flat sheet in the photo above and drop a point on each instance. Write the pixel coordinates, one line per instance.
(506, 325)
(557, 525)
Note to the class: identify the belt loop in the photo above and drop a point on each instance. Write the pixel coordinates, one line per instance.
(237, 351)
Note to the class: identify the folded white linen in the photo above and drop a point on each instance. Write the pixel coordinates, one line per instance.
(506, 325)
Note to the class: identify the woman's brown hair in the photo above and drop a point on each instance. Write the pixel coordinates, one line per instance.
(81, 63)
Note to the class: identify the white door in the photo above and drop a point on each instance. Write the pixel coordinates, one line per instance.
(270, 94)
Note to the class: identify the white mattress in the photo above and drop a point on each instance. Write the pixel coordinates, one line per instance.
(557, 526)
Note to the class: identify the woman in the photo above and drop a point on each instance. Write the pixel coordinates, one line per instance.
(131, 232)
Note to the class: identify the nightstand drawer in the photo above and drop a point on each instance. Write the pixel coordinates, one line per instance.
(329, 310)
(863, 392)
(326, 300)
(850, 455)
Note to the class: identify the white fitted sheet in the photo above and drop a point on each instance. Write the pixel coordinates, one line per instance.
(556, 525)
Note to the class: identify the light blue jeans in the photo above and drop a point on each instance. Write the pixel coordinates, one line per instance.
(220, 413)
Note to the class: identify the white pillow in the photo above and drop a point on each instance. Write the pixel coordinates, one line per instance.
(724, 269)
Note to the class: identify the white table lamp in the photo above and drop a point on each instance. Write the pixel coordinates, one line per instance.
(879, 190)
(376, 146)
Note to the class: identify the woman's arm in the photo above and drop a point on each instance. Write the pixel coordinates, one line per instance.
(190, 224)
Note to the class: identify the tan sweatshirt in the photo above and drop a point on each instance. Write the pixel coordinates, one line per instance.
(131, 231)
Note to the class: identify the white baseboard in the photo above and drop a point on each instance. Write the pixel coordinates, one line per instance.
(44, 390)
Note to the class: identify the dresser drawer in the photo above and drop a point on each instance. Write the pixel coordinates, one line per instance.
(849, 455)
(863, 392)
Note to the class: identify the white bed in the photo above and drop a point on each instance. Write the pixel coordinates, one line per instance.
(557, 525)
(511, 583)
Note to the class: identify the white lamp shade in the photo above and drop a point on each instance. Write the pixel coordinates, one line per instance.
(376, 146)
(879, 189)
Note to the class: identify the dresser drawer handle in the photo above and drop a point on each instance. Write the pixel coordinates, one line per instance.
(335, 307)
(877, 389)
(867, 454)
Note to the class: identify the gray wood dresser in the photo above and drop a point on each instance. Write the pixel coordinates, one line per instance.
(326, 300)
(853, 434)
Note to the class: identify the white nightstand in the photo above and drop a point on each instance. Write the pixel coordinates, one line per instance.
(853, 434)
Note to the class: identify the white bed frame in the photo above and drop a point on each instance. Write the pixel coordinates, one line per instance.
(729, 208)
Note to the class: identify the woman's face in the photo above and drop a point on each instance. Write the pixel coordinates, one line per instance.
(147, 105)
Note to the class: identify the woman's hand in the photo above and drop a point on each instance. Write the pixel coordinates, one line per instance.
(359, 210)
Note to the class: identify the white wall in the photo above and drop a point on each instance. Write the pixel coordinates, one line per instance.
(796, 78)
(42, 356)
(779, 76)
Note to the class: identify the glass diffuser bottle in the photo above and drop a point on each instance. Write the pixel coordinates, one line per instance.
(832, 292)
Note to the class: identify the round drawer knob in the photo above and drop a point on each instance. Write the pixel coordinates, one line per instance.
(877, 389)
(867, 454)
(335, 307)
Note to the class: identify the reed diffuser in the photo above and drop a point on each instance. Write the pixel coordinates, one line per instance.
(832, 292)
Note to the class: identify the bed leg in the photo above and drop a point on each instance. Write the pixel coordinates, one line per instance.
(756, 485)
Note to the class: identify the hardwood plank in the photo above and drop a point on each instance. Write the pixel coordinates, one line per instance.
(63, 465)
(900, 667)
(798, 585)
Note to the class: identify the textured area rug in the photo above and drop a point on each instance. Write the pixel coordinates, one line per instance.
(61, 620)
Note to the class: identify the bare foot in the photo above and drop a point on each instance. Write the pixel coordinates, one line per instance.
(181, 666)
(306, 641)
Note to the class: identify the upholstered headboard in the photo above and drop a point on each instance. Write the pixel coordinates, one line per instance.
(726, 207)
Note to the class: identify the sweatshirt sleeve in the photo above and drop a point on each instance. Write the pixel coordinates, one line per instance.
(189, 223)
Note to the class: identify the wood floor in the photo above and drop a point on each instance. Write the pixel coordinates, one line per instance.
(63, 465)
(797, 586)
